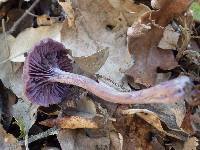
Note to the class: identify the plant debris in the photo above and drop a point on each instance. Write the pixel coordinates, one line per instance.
(132, 82)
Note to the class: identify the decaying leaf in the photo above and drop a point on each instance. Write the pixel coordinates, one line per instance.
(195, 120)
(116, 141)
(10, 73)
(45, 20)
(85, 104)
(29, 37)
(25, 113)
(134, 131)
(73, 140)
(154, 120)
(186, 25)
(66, 138)
(91, 64)
(129, 12)
(95, 23)
(67, 6)
(148, 57)
(170, 39)
(147, 115)
(171, 114)
(70, 122)
(191, 143)
(8, 141)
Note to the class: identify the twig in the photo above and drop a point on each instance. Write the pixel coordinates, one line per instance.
(5, 35)
(33, 138)
(22, 17)
(51, 131)
(195, 37)
(30, 13)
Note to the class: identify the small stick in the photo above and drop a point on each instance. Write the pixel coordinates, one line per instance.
(22, 17)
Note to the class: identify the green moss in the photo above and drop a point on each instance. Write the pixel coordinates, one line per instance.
(22, 129)
(195, 7)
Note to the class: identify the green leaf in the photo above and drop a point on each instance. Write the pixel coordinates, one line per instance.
(195, 7)
(22, 129)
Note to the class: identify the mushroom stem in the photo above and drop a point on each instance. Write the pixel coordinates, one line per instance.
(166, 92)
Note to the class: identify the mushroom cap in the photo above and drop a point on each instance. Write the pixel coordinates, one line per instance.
(39, 67)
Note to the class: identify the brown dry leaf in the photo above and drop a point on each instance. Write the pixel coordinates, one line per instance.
(148, 57)
(8, 141)
(195, 120)
(116, 141)
(29, 37)
(191, 144)
(170, 39)
(86, 105)
(67, 7)
(70, 122)
(195, 98)
(171, 114)
(186, 26)
(91, 64)
(134, 131)
(46, 20)
(147, 115)
(95, 21)
(153, 119)
(187, 122)
(129, 11)
(73, 140)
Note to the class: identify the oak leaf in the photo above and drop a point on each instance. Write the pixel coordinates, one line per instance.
(144, 37)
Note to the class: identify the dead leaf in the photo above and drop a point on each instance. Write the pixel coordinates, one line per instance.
(191, 144)
(144, 48)
(95, 22)
(134, 131)
(87, 105)
(195, 98)
(70, 122)
(29, 37)
(187, 122)
(116, 141)
(10, 73)
(8, 99)
(195, 120)
(129, 12)
(67, 6)
(91, 64)
(66, 138)
(171, 114)
(46, 20)
(25, 113)
(8, 141)
(170, 39)
(186, 26)
(147, 115)
(73, 140)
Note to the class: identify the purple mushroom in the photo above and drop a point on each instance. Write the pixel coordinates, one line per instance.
(48, 73)
(39, 67)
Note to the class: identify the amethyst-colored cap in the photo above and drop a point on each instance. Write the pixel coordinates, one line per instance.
(38, 68)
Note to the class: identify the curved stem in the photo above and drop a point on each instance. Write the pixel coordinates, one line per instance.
(166, 92)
